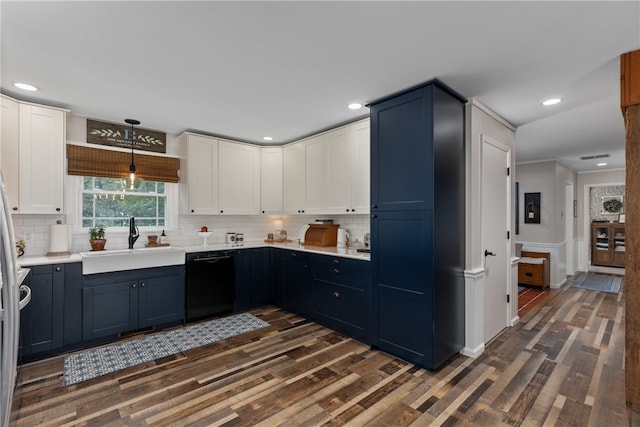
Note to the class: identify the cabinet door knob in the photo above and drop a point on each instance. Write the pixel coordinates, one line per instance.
(133, 285)
(353, 210)
(336, 271)
(374, 206)
(192, 211)
(15, 208)
(374, 216)
(221, 211)
(58, 209)
(262, 211)
(336, 295)
(336, 261)
(347, 209)
(142, 285)
(58, 269)
(293, 254)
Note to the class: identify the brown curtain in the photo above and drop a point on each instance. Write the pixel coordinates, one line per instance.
(88, 161)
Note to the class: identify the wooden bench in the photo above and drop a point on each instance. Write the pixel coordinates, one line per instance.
(533, 269)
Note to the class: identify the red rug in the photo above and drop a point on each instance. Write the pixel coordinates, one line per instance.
(529, 298)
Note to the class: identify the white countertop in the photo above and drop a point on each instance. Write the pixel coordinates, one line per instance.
(30, 261)
(330, 250)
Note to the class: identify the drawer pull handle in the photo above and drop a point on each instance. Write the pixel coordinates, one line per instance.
(336, 295)
(336, 261)
(528, 274)
(133, 285)
(336, 271)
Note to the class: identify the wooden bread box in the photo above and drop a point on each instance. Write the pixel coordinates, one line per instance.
(534, 274)
(321, 235)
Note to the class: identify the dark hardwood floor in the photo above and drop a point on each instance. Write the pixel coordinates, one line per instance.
(564, 366)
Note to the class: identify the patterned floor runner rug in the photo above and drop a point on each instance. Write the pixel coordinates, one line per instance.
(93, 363)
(599, 282)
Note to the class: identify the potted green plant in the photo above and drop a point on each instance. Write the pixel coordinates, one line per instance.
(96, 237)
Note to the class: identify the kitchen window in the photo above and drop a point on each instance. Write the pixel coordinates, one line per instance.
(108, 201)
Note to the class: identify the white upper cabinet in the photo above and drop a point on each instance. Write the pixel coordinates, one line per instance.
(338, 171)
(329, 173)
(9, 149)
(222, 177)
(239, 175)
(293, 169)
(315, 175)
(360, 166)
(41, 164)
(271, 180)
(201, 155)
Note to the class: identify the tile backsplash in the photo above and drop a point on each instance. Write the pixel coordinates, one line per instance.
(34, 230)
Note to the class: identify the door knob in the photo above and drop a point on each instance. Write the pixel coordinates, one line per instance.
(487, 253)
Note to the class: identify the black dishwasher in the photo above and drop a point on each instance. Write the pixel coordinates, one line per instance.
(210, 286)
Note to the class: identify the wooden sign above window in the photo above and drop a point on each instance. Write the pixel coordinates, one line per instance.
(119, 135)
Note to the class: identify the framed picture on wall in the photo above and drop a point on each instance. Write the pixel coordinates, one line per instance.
(612, 205)
(532, 208)
(621, 218)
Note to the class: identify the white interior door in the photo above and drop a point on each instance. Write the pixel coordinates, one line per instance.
(496, 220)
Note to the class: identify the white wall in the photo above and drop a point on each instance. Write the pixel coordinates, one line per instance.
(481, 121)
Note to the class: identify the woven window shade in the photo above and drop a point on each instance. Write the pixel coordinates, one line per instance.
(88, 161)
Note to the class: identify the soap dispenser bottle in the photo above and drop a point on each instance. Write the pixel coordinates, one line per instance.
(163, 239)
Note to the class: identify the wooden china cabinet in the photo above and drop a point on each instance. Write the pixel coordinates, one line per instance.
(607, 244)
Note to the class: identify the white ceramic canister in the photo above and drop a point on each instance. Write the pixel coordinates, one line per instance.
(343, 238)
(231, 238)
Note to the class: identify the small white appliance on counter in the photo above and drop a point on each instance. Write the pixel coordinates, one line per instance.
(10, 305)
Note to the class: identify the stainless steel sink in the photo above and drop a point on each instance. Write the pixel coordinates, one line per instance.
(131, 259)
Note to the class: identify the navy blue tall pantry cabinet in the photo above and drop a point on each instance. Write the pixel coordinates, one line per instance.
(417, 224)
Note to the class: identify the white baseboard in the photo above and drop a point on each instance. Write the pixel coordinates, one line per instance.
(473, 352)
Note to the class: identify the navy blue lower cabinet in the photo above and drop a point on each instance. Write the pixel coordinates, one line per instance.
(72, 333)
(118, 302)
(297, 286)
(341, 295)
(418, 288)
(276, 276)
(109, 309)
(242, 300)
(252, 278)
(161, 300)
(41, 321)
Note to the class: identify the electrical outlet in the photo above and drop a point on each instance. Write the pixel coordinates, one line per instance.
(27, 236)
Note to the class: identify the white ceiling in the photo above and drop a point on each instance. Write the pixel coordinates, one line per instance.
(288, 69)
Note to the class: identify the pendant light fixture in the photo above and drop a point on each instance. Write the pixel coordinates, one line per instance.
(132, 166)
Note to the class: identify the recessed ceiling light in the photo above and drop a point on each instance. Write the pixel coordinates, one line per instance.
(25, 86)
(602, 164)
(354, 106)
(552, 101)
(267, 138)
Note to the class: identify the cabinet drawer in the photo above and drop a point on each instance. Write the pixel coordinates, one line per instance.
(346, 272)
(343, 308)
(531, 274)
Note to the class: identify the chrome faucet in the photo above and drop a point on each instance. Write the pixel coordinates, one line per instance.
(133, 232)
